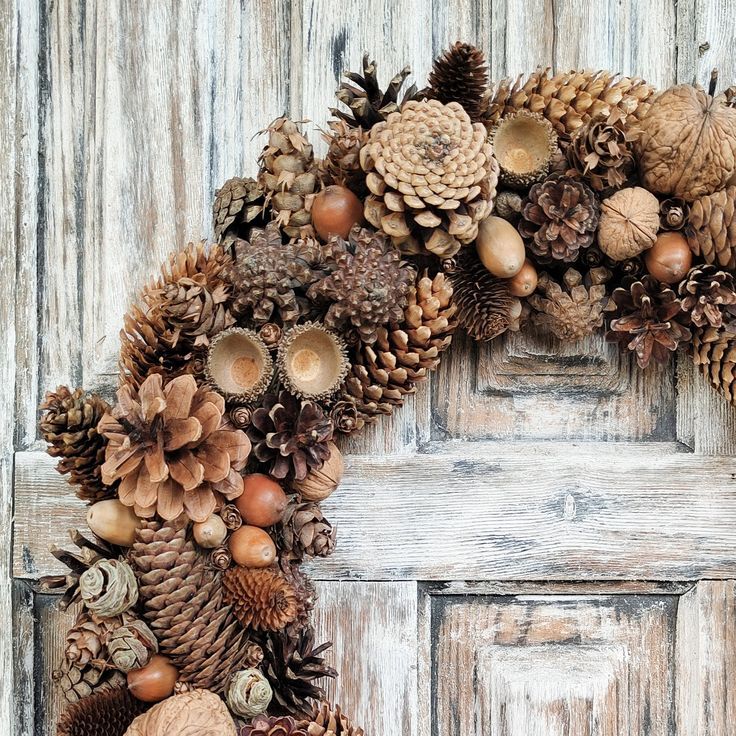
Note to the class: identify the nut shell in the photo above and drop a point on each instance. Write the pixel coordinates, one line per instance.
(629, 223)
(210, 533)
(155, 681)
(525, 282)
(335, 210)
(113, 521)
(250, 546)
(262, 502)
(670, 258)
(321, 483)
(500, 247)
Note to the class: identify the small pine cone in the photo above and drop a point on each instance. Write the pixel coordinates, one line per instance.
(108, 588)
(273, 726)
(305, 592)
(240, 416)
(673, 214)
(707, 295)
(559, 219)
(271, 335)
(508, 205)
(305, 531)
(131, 646)
(231, 516)
(573, 309)
(105, 713)
(221, 558)
(239, 205)
(69, 426)
(714, 352)
(88, 638)
(346, 417)
(711, 228)
(342, 162)
(262, 599)
(78, 681)
(327, 721)
(460, 75)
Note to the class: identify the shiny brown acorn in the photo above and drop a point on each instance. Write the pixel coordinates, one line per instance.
(250, 546)
(210, 533)
(670, 258)
(525, 282)
(500, 247)
(155, 681)
(262, 502)
(335, 210)
(113, 521)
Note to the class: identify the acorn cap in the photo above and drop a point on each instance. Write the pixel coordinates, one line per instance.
(523, 143)
(312, 361)
(239, 365)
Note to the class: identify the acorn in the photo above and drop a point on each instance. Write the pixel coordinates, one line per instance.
(114, 522)
(155, 681)
(210, 533)
(250, 546)
(670, 258)
(500, 247)
(525, 282)
(335, 210)
(262, 502)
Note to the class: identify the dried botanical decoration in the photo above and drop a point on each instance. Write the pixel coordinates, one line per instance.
(239, 205)
(105, 713)
(108, 588)
(131, 645)
(673, 213)
(714, 352)
(711, 228)
(304, 531)
(509, 205)
(629, 223)
(321, 483)
(88, 638)
(342, 162)
(327, 721)
(77, 681)
(275, 726)
(249, 693)
(707, 295)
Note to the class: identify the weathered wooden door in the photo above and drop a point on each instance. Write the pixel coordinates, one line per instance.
(543, 542)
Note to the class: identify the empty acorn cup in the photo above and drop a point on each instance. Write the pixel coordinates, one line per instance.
(239, 364)
(312, 361)
(523, 143)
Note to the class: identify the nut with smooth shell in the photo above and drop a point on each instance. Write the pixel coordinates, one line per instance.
(114, 522)
(500, 247)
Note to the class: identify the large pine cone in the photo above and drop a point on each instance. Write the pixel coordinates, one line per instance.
(69, 426)
(304, 530)
(107, 713)
(238, 206)
(341, 164)
(77, 681)
(183, 602)
(714, 352)
(571, 99)
(711, 228)
(331, 722)
(646, 321)
(368, 287)
(559, 219)
(707, 295)
(431, 193)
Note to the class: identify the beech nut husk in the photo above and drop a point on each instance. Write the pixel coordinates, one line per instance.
(319, 484)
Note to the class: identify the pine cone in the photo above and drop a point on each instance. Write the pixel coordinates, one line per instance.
(714, 352)
(559, 219)
(306, 594)
(292, 665)
(238, 206)
(262, 599)
(711, 228)
(106, 713)
(508, 205)
(131, 645)
(673, 214)
(573, 309)
(367, 102)
(290, 436)
(289, 177)
(460, 75)
(601, 151)
(191, 456)
(77, 681)
(368, 287)
(305, 531)
(69, 426)
(345, 415)
(328, 722)
(707, 294)
(108, 588)
(342, 162)
(183, 602)
(646, 321)
(274, 726)
(571, 99)
(86, 641)
(485, 307)
(431, 193)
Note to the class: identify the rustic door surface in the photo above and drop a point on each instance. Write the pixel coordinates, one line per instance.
(542, 542)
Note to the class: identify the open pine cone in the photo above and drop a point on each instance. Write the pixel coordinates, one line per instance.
(77, 681)
(238, 206)
(714, 352)
(707, 295)
(327, 721)
(106, 713)
(430, 192)
(341, 164)
(711, 228)
(171, 450)
(87, 639)
(273, 726)
(304, 530)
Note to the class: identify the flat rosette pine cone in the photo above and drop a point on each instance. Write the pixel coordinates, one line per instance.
(559, 219)
(368, 287)
(629, 223)
(69, 426)
(574, 308)
(107, 713)
(327, 721)
(711, 228)
(131, 645)
(707, 295)
(274, 726)
(108, 588)
(646, 321)
(290, 436)
(432, 177)
(171, 450)
(238, 206)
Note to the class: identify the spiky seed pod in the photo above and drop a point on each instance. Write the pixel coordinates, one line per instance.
(485, 307)
(559, 219)
(460, 75)
(569, 100)
(304, 530)
(523, 143)
(711, 228)
(77, 681)
(312, 361)
(289, 176)
(714, 352)
(646, 321)
(69, 425)
(182, 601)
(708, 294)
(262, 599)
(341, 164)
(293, 665)
(367, 102)
(430, 193)
(573, 309)
(368, 287)
(673, 214)
(106, 713)
(273, 726)
(508, 205)
(239, 205)
(328, 721)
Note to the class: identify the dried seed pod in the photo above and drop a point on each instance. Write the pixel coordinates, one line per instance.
(629, 223)
(231, 516)
(221, 558)
(673, 213)
(270, 333)
(508, 205)
(108, 588)
(321, 483)
(240, 416)
(131, 646)
(249, 693)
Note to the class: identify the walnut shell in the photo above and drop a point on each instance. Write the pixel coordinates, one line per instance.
(687, 143)
(193, 713)
(321, 483)
(629, 223)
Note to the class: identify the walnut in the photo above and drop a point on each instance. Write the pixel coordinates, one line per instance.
(629, 223)
(687, 143)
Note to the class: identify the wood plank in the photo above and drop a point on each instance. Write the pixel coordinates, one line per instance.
(485, 511)
(24, 665)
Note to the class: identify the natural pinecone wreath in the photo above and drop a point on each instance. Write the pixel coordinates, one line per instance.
(567, 203)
